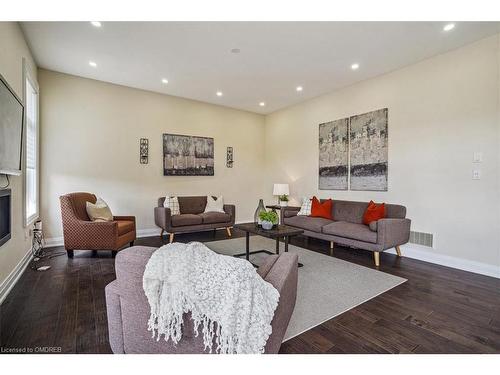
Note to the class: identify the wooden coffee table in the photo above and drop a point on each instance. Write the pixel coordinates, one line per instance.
(280, 231)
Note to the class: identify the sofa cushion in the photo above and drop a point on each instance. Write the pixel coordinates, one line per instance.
(99, 211)
(215, 204)
(192, 205)
(214, 217)
(322, 209)
(354, 231)
(186, 219)
(125, 226)
(373, 212)
(349, 211)
(314, 224)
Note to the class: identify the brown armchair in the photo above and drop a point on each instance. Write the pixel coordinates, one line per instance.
(80, 233)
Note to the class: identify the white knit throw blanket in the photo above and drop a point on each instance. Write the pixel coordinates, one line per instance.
(225, 295)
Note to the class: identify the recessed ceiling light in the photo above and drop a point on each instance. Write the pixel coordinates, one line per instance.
(354, 66)
(262, 104)
(235, 50)
(92, 64)
(299, 88)
(218, 93)
(96, 23)
(449, 27)
(164, 80)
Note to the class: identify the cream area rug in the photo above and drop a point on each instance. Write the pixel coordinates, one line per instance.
(327, 286)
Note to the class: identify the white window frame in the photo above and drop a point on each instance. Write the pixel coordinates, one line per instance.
(29, 77)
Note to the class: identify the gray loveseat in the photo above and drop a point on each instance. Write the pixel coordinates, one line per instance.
(348, 229)
(192, 218)
(128, 308)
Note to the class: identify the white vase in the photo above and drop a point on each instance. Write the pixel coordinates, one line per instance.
(267, 225)
(283, 203)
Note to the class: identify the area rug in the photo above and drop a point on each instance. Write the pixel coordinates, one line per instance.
(327, 286)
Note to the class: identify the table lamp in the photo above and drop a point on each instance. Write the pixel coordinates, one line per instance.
(280, 189)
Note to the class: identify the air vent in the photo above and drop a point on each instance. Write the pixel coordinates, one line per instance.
(420, 238)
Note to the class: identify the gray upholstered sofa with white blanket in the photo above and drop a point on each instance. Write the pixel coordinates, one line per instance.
(347, 227)
(128, 308)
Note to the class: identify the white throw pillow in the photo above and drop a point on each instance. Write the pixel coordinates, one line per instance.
(215, 205)
(99, 211)
(173, 204)
(305, 208)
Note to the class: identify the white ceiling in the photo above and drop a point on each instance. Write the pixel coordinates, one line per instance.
(275, 57)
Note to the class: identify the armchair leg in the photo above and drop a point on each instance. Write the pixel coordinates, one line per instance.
(331, 248)
(171, 237)
(131, 243)
(228, 230)
(376, 258)
(398, 251)
(161, 233)
(70, 253)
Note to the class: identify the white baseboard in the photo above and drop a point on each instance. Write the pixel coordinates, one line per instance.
(150, 232)
(409, 250)
(14, 276)
(53, 242)
(429, 255)
(59, 241)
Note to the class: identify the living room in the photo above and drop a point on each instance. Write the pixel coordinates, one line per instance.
(371, 149)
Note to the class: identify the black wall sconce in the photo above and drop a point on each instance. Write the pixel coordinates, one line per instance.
(229, 157)
(143, 150)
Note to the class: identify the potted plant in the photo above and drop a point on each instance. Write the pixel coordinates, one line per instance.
(268, 219)
(283, 200)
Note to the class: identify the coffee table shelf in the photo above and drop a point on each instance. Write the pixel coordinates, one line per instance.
(279, 231)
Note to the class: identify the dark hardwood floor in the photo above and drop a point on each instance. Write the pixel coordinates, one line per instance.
(438, 310)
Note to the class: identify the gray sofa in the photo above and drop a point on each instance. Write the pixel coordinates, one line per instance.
(192, 218)
(348, 229)
(128, 309)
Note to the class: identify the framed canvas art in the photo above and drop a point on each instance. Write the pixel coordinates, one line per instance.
(185, 155)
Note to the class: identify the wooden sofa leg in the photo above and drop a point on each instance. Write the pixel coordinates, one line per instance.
(70, 253)
(398, 251)
(161, 233)
(131, 243)
(171, 237)
(228, 230)
(331, 248)
(376, 257)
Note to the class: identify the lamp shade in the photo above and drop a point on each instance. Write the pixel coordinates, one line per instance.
(281, 189)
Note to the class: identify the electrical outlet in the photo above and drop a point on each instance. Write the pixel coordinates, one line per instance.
(476, 174)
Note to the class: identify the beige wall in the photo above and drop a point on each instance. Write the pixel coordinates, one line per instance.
(90, 142)
(13, 49)
(441, 110)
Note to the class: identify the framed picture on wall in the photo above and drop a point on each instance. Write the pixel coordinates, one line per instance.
(185, 155)
(333, 153)
(369, 151)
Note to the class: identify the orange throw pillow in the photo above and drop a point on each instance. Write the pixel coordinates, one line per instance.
(319, 209)
(374, 212)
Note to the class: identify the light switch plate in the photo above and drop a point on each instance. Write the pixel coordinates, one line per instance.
(477, 157)
(476, 174)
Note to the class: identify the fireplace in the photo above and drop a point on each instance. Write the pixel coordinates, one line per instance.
(5, 219)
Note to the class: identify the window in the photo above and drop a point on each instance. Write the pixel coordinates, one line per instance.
(31, 149)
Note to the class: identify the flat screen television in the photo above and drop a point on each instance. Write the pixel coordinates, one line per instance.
(11, 130)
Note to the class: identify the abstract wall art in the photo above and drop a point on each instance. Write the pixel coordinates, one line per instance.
(333, 154)
(368, 144)
(185, 155)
